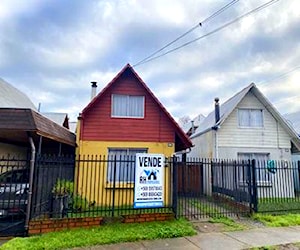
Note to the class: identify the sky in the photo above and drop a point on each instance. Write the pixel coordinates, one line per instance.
(52, 49)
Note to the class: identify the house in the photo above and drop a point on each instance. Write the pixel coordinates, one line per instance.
(20, 121)
(126, 118)
(60, 118)
(190, 127)
(247, 126)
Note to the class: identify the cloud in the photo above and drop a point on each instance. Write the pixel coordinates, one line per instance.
(51, 50)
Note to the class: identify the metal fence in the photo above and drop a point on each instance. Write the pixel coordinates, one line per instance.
(68, 187)
(213, 188)
(89, 186)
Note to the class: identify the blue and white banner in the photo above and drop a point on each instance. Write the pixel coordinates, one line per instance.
(149, 180)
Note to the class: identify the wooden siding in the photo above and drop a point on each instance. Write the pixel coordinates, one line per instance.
(98, 125)
(203, 146)
(272, 135)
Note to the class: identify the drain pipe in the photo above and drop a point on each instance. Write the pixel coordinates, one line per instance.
(32, 163)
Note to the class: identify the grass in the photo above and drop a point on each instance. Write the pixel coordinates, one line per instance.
(277, 247)
(217, 217)
(283, 220)
(279, 204)
(107, 234)
(230, 224)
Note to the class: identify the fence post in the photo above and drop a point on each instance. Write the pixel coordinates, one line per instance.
(254, 199)
(175, 198)
(114, 186)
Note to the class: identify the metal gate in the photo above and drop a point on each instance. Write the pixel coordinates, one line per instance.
(212, 188)
(14, 184)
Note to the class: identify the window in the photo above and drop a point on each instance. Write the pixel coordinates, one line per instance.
(251, 118)
(262, 174)
(124, 164)
(128, 106)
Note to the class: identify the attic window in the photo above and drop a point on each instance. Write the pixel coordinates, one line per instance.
(251, 118)
(128, 106)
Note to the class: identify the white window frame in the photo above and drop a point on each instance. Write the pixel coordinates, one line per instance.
(251, 124)
(123, 161)
(127, 107)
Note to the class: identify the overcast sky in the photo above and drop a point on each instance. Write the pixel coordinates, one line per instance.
(52, 49)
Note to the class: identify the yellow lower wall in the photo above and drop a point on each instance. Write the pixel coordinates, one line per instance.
(91, 172)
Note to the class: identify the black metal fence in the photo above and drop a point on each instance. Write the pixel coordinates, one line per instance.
(65, 187)
(213, 188)
(14, 184)
(89, 186)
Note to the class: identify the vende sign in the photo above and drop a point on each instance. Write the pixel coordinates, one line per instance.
(149, 180)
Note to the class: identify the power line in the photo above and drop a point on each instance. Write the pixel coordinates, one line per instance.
(282, 100)
(279, 76)
(261, 7)
(218, 12)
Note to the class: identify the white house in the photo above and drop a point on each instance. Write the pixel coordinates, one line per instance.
(247, 126)
(294, 120)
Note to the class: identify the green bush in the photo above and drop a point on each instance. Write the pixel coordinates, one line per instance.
(79, 203)
(63, 187)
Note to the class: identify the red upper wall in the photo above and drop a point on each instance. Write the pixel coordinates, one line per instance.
(98, 125)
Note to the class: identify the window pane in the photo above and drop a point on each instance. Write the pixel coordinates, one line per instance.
(125, 164)
(256, 118)
(244, 118)
(119, 105)
(250, 117)
(136, 106)
(127, 106)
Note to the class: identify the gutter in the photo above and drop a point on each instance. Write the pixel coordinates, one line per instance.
(185, 151)
(32, 163)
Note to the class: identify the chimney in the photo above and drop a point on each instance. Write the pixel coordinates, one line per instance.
(217, 110)
(94, 88)
(193, 127)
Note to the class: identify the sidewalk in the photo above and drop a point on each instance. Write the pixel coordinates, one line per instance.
(209, 241)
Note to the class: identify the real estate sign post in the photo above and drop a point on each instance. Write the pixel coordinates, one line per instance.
(149, 180)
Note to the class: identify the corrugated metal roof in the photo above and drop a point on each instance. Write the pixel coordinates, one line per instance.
(225, 109)
(197, 120)
(10, 97)
(59, 118)
(230, 105)
(294, 120)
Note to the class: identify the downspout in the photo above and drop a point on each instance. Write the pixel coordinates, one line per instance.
(32, 163)
(216, 127)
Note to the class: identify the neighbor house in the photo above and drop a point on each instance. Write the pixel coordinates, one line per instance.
(126, 118)
(246, 127)
(20, 122)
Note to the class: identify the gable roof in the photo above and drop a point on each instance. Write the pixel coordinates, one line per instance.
(187, 127)
(227, 107)
(10, 97)
(184, 141)
(60, 118)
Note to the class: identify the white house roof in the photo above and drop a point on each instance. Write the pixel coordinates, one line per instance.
(59, 118)
(10, 97)
(197, 120)
(225, 110)
(294, 120)
(73, 126)
(227, 107)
